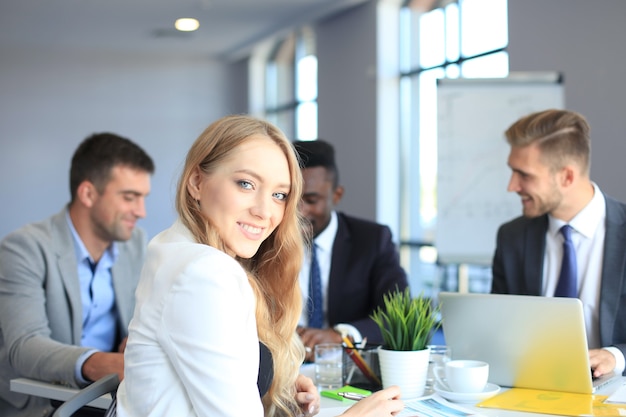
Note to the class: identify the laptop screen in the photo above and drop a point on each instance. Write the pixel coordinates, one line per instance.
(529, 341)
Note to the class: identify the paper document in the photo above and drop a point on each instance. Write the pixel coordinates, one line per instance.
(434, 406)
(619, 396)
(430, 406)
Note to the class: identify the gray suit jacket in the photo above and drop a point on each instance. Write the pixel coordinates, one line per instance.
(41, 311)
(518, 267)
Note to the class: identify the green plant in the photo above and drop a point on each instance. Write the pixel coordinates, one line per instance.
(406, 323)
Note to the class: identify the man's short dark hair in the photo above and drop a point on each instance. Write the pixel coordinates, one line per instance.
(318, 153)
(97, 155)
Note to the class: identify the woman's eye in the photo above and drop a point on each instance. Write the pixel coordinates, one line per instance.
(246, 185)
(280, 196)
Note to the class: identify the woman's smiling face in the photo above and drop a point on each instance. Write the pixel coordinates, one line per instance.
(245, 197)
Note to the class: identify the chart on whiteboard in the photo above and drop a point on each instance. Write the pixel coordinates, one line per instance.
(472, 196)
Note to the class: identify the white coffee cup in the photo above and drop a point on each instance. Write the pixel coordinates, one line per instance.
(463, 376)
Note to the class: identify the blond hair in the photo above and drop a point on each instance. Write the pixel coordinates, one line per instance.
(561, 135)
(273, 270)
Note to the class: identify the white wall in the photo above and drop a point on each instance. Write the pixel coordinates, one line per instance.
(358, 107)
(346, 51)
(585, 41)
(52, 99)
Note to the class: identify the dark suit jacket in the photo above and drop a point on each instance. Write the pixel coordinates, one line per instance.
(365, 265)
(518, 267)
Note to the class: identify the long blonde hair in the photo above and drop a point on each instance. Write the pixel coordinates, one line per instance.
(273, 270)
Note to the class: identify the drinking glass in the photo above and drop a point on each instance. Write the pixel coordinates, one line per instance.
(328, 366)
(439, 354)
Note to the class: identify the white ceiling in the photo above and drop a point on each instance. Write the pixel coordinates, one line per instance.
(227, 27)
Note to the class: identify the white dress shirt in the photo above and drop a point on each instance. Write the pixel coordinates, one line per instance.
(324, 242)
(589, 229)
(193, 348)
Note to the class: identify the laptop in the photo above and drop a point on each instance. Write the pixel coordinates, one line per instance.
(529, 341)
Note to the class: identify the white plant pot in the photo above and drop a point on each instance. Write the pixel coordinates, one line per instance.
(406, 369)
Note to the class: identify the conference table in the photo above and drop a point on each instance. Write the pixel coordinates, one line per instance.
(333, 408)
(329, 407)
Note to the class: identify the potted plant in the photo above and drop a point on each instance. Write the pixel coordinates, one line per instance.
(407, 324)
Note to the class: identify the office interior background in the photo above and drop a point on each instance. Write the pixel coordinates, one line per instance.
(361, 74)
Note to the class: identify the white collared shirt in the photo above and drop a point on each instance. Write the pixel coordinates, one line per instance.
(589, 230)
(324, 241)
(588, 237)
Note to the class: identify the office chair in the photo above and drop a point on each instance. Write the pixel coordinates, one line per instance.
(104, 385)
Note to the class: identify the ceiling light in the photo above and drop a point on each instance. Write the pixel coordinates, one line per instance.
(187, 24)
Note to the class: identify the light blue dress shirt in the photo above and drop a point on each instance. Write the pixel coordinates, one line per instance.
(100, 315)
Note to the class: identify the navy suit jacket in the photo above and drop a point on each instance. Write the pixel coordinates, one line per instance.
(365, 265)
(518, 267)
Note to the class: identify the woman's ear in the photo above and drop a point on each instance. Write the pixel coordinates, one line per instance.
(193, 184)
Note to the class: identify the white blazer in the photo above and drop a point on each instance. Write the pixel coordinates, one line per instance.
(193, 348)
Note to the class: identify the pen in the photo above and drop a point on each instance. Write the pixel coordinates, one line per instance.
(360, 362)
(351, 396)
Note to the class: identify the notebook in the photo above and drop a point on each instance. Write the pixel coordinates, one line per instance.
(528, 341)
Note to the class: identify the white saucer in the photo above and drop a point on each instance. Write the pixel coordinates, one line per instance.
(474, 397)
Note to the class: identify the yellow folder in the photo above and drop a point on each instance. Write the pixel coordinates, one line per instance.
(554, 402)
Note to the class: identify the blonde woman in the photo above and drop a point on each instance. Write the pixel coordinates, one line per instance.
(218, 301)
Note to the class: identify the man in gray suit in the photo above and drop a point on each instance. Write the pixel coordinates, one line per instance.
(549, 157)
(67, 283)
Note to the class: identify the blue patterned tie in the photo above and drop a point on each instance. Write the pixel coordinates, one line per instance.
(315, 305)
(567, 286)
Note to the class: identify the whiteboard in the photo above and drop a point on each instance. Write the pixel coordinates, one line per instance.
(472, 152)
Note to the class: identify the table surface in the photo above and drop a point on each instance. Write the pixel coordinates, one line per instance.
(333, 408)
(330, 407)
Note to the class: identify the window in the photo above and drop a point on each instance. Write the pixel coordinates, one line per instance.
(291, 86)
(463, 38)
